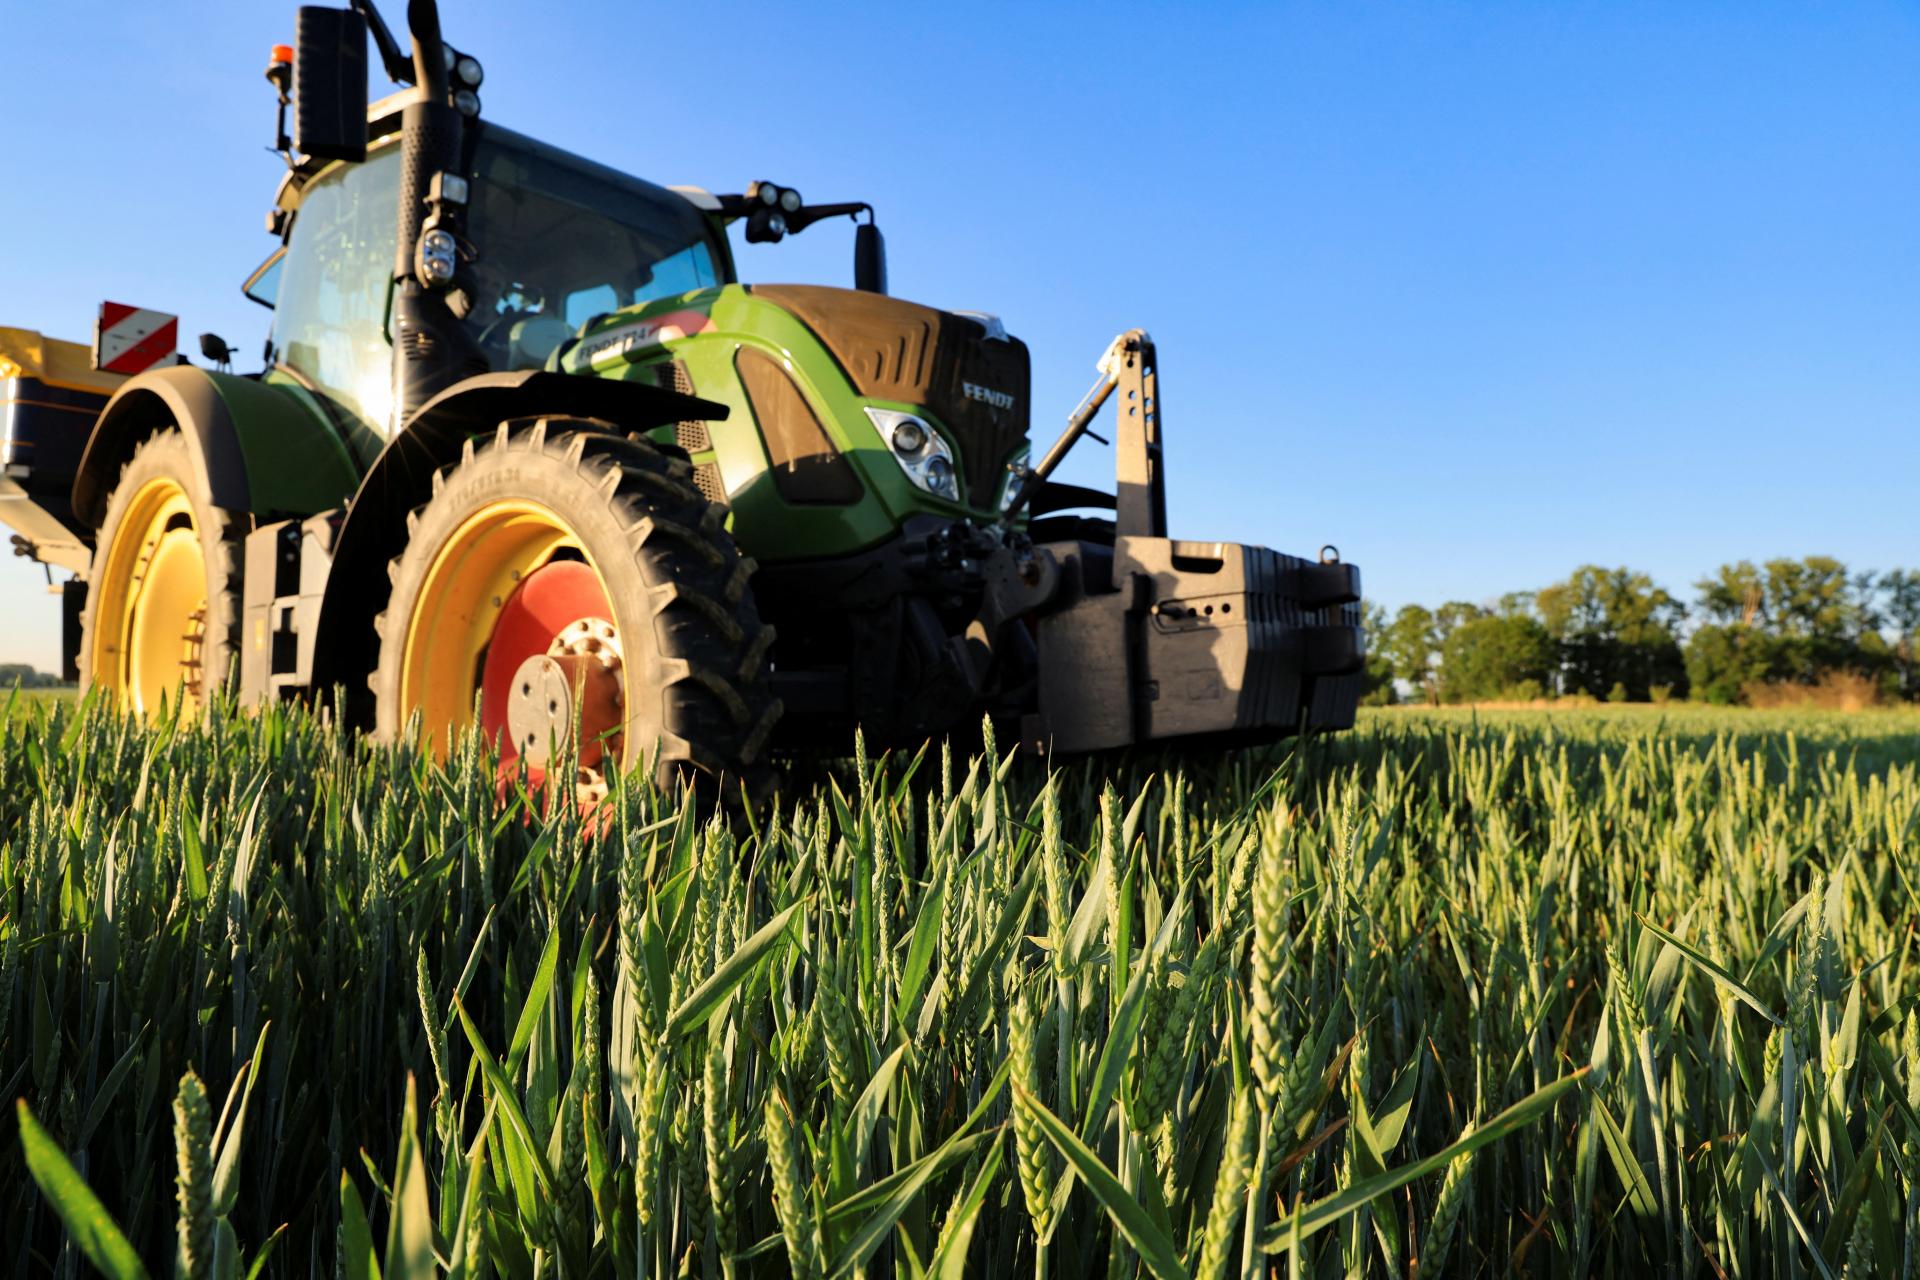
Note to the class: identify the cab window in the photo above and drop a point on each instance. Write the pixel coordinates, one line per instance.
(330, 320)
(690, 269)
(561, 240)
(263, 286)
(585, 304)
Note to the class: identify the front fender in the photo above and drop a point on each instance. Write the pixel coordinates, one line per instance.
(401, 478)
(260, 448)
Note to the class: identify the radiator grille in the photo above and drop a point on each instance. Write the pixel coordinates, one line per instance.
(692, 436)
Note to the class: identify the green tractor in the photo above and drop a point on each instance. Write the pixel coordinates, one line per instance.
(526, 453)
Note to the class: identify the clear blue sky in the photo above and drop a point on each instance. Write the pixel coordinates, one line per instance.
(1478, 292)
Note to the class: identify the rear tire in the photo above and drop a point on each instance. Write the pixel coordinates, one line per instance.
(162, 616)
(692, 648)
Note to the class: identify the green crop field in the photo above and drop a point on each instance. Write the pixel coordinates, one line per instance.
(14, 701)
(1602, 993)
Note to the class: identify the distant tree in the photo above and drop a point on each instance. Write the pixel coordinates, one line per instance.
(1408, 644)
(1452, 614)
(1494, 656)
(1785, 621)
(1516, 604)
(1817, 612)
(1376, 678)
(1735, 594)
(12, 673)
(1724, 659)
(1732, 648)
(1900, 614)
(1614, 627)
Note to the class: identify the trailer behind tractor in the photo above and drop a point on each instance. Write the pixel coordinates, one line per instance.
(526, 454)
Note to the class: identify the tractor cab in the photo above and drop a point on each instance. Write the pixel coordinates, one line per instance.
(565, 240)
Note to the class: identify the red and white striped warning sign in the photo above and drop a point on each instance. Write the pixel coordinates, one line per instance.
(128, 339)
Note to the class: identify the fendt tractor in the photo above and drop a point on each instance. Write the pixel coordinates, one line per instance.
(526, 452)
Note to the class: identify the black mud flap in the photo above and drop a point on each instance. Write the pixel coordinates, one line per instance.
(73, 603)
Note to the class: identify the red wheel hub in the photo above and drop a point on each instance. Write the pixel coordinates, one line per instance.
(531, 622)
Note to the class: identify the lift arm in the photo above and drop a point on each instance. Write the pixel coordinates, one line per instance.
(1128, 367)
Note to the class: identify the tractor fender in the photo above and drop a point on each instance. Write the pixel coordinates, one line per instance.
(375, 527)
(260, 448)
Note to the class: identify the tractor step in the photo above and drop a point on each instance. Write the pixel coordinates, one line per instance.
(286, 575)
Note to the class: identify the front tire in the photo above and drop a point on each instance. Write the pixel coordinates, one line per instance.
(162, 618)
(566, 580)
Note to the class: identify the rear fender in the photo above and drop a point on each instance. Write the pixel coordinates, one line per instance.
(401, 479)
(260, 448)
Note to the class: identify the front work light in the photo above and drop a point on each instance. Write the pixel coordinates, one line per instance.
(437, 258)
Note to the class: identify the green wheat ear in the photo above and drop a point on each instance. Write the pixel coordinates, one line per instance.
(1446, 1212)
(192, 1142)
(717, 1134)
(1271, 1044)
(1031, 1149)
(1237, 1157)
(789, 1191)
(649, 1166)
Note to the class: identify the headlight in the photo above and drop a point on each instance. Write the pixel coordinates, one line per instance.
(909, 436)
(920, 451)
(468, 101)
(940, 479)
(468, 69)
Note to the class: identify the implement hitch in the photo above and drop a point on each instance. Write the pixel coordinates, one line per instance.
(1140, 504)
(1154, 638)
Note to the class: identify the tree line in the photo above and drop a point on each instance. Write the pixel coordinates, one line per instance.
(1752, 633)
(26, 676)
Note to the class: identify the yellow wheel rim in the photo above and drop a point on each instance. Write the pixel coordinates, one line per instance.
(457, 616)
(150, 616)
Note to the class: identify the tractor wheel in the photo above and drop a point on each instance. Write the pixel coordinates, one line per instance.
(162, 618)
(569, 584)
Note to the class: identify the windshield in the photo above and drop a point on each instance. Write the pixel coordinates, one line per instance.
(559, 240)
(562, 240)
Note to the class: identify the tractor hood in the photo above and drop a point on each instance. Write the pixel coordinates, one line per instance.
(973, 379)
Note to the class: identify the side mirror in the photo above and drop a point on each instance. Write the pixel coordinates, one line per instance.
(869, 259)
(330, 83)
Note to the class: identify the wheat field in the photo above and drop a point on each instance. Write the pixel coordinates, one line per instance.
(1589, 994)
